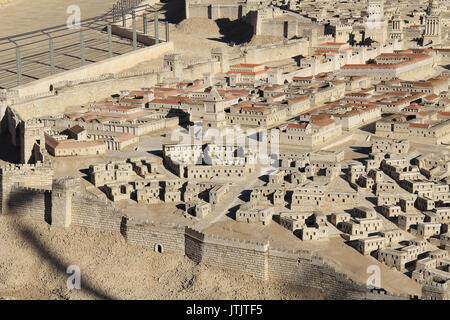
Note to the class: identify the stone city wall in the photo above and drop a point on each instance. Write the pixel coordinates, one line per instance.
(274, 52)
(252, 258)
(75, 95)
(27, 176)
(306, 269)
(170, 238)
(91, 212)
(241, 256)
(33, 202)
(214, 11)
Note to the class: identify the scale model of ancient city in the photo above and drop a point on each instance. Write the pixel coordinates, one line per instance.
(285, 143)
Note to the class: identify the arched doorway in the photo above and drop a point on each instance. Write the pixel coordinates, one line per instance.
(159, 248)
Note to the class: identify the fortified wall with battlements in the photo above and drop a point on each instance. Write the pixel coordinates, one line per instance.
(31, 190)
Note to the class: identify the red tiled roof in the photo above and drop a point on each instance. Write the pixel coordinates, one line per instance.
(77, 129)
(246, 65)
(323, 122)
(420, 125)
(70, 144)
(333, 43)
(165, 101)
(298, 99)
(302, 78)
(125, 137)
(432, 96)
(247, 72)
(297, 125)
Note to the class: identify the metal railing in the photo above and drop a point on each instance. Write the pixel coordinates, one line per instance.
(122, 7)
(33, 55)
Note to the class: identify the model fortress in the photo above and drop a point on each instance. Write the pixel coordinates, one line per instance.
(306, 159)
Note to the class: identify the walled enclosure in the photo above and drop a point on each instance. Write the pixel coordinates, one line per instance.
(62, 204)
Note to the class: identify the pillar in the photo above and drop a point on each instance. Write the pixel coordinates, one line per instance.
(83, 59)
(156, 28)
(19, 66)
(133, 15)
(109, 41)
(167, 31)
(144, 22)
(52, 56)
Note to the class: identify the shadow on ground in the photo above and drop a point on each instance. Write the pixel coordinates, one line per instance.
(59, 262)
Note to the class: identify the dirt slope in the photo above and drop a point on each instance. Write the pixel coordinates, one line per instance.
(34, 258)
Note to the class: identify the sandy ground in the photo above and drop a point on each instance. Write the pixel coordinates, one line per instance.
(20, 16)
(4, 2)
(204, 33)
(34, 258)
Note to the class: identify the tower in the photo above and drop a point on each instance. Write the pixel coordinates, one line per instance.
(221, 55)
(208, 78)
(397, 26)
(32, 140)
(174, 63)
(432, 25)
(274, 76)
(214, 111)
(342, 33)
(375, 10)
(376, 24)
(62, 193)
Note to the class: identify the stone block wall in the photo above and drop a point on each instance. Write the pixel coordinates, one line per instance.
(168, 238)
(258, 260)
(35, 203)
(242, 256)
(33, 176)
(95, 213)
(308, 270)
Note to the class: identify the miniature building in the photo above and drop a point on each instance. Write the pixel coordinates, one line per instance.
(338, 218)
(390, 211)
(405, 221)
(368, 245)
(314, 233)
(202, 209)
(248, 213)
(428, 229)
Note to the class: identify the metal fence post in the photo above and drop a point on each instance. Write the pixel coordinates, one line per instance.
(167, 31)
(83, 60)
(19, 65)
(156, 28)
(52, 56)
(133, 14)
(109, 41)
(144, 21)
